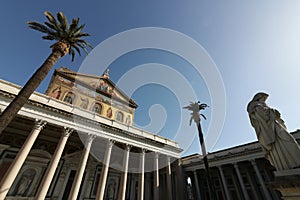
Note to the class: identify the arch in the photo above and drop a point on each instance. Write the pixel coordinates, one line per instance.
(69, 97)
(40, 153)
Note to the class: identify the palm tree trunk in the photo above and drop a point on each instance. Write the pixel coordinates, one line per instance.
(212, 195)
(12, 109)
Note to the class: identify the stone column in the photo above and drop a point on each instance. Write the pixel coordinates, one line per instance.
(123, 181)
(45, 184)
(156, 177)
(181, 190)
(169, 178)
(236, 167)
(224, 182)
(16, 165)
(141, 184)
(254, 186)
(197, 185)
(104, 171)
(261, 181)
(80, 171)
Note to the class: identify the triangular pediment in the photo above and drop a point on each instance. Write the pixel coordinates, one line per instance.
(99, 84)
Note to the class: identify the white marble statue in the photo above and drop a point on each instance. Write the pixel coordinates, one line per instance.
(279, 146)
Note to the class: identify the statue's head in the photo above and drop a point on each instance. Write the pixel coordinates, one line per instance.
(259, 96)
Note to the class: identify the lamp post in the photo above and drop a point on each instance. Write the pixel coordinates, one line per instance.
(196, 117)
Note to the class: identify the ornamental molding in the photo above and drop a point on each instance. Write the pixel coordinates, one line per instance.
(58, 113)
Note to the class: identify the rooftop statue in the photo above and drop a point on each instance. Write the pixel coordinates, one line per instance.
(279, 146)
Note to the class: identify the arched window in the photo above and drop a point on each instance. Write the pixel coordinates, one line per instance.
(119, 117)
(69, 98)
(97, 108)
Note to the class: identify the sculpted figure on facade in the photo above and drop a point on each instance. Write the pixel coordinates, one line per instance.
(56, 92)
(84, 103)
(279, 146)
(111, 191)
(109, 113)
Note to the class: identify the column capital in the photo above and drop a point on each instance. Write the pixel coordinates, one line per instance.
(168, 159)
(143, 150)
(157, 155)
(91, 138)
(110, 143)
(67, 131)
(179, 162)
(253, 162)
(128, 147)
(235, 165)
(219, 167)
(39, 124)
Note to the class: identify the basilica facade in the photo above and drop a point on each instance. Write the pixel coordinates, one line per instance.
(77, 141)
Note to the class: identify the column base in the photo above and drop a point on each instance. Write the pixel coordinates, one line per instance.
(287, 182)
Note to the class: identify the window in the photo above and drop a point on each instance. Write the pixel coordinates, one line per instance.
(119, 117)
(69, 98)
(97, 108)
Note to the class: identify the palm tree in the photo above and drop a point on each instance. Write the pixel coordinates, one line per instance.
(196, 117)
(68, 40)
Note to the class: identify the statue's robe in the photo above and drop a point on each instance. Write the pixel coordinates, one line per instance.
(279, 146)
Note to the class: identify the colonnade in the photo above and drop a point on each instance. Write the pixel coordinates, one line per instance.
(19, 160)
(244, 192)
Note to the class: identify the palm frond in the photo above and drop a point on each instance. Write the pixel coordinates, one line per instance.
(53, 27)
(72, 52)
(203, 116)
(77, 48)
(74, 25)
(39, 27)
(58, 29)
(78, 30)
(83, 47)
(52, 20)
(202, 106)
(89, 45)
(196, 107)
(50, 17)
(64, 25)
(82, 35)
(49, 37)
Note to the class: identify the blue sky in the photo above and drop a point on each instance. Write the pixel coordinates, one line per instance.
(255, 46)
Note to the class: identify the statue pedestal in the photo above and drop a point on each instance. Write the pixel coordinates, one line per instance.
(288, 183)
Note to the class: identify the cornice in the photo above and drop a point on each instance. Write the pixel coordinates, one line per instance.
(234, 155)
(58, 111)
